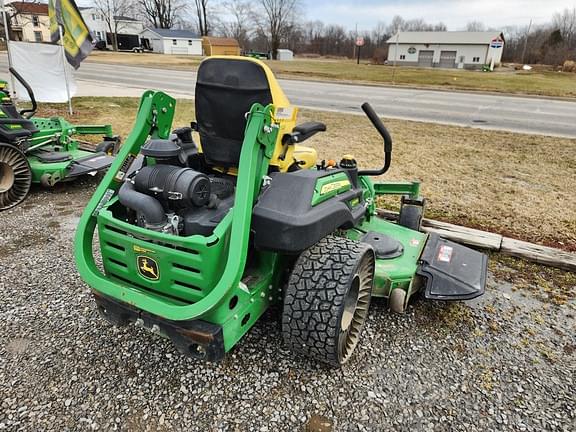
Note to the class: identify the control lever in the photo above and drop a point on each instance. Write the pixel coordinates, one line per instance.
(377, 123)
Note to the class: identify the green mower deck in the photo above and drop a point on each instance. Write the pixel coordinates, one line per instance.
(45, 150)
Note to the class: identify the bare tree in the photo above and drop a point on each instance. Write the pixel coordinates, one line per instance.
(475, 26)
(201, 8)
(276, 20)
(239, 25)
(111, 10)
(161, 13)
(566, 23)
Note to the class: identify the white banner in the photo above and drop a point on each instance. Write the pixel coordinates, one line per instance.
(42, 67)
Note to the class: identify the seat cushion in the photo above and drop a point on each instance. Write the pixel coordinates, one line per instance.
(226, 89)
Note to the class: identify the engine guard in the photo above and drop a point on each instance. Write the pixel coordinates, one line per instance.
(452, 271)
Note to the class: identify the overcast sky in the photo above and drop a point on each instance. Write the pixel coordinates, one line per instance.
(454, 13)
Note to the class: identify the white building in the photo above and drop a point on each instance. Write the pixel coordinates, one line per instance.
(463, 50)
(165, 41)
(128, 28)
(285, 55)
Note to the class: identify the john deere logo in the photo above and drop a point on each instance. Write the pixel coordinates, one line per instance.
(148, 268)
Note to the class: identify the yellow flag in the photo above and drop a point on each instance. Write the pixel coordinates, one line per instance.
(76, 37)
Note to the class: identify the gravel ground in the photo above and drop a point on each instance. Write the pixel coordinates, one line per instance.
(504, 362)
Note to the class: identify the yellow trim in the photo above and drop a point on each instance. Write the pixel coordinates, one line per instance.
(330, 187)
(286, 119)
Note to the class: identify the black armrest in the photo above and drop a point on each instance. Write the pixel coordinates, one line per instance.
(305, 130)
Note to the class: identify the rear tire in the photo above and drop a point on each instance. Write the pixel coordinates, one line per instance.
(15, 176)
(327, 299)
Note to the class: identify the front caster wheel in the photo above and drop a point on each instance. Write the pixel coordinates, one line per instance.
(327, 299)
(397, 301)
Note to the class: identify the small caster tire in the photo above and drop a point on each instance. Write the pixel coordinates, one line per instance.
(397, 301)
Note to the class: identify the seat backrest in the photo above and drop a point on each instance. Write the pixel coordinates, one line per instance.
(226, 89)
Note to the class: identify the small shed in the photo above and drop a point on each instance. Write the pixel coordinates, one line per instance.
(285, 55)
(166, 41)
(220, 46)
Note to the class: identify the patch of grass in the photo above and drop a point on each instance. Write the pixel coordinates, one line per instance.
(514, 184)
(547, 283)
(536, 82)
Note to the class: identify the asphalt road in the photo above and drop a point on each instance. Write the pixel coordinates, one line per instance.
(516, 114)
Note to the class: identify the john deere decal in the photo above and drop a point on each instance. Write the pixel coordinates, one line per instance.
(147, 267)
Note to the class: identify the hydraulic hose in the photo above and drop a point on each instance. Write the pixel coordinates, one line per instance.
(142, 204)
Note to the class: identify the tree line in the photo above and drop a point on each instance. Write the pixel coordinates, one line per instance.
(267, 25)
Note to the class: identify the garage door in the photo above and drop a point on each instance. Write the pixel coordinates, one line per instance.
(425, 58)
(447, 59)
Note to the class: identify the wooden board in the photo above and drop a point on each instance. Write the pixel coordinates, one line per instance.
(485, 240)
(539, 254)
(459, 234)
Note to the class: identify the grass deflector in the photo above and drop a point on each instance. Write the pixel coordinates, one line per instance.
(44, 150)
(198, 239)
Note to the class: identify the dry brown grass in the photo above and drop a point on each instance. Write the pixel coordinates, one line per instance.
(518, 185)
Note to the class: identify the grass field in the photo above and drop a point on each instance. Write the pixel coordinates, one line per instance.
(544, 83)
(514, 184)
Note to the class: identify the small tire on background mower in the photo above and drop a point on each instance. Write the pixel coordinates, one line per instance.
(411, 216)
(15, 176)
(327, 299)
(106, 147)
(397, 301)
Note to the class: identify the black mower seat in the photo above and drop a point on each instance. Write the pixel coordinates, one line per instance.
(52, 157)
(13, 125)
(226, 89)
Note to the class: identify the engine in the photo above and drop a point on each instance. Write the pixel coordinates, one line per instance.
(171, 194)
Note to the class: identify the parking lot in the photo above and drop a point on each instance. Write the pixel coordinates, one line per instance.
(503, 362)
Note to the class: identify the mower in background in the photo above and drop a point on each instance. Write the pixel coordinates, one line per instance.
(198, 240)
(44, 150)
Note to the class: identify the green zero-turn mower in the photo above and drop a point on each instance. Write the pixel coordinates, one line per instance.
(197, 240)
(44, 150)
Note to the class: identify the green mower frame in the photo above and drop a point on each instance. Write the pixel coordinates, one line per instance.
(206, 292)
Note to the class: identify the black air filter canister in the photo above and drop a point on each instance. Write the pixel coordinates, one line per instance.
(181, 187)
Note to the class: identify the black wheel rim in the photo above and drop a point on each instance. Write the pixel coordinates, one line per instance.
(356, 304)
(15, 177)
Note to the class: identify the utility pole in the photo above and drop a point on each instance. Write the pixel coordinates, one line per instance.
(526, 42)
(355, 37)
(395, 56)
(7, 36)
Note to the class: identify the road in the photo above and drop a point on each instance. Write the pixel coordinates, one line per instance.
(487, 111)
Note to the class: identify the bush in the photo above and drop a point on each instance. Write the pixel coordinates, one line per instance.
(380, 55)
(569, 66)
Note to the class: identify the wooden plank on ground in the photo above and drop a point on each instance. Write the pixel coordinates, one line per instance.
(459, 234)
(482, 239)
(540, 254)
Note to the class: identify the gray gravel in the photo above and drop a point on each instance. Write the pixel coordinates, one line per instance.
(504, 362)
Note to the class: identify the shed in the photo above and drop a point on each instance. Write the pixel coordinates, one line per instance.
(453, 49)
(285, 55)
(166, 41)
(220, 46)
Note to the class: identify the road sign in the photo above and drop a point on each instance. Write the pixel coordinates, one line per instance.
(359, 41)
(497, 43)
